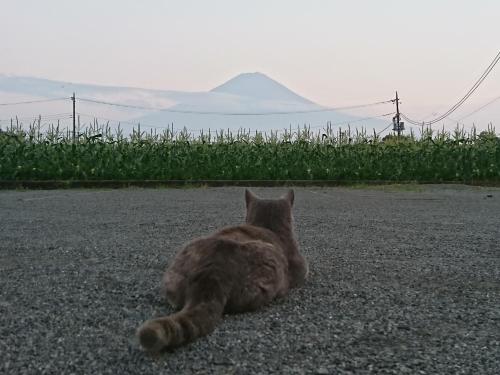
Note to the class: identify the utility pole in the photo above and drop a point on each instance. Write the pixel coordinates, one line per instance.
(74, 117)
(397, 124)
(397, 112)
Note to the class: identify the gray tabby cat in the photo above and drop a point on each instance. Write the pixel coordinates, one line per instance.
(237, 269)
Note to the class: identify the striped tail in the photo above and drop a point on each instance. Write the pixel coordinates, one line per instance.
(206, 297)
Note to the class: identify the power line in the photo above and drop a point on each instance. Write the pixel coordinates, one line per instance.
(220, 113)
(413, 122)
(358, 106)
(479, 109)
(52, 117)
(69, 116)
(200, 130)
(384, 129)
(357, 120)
(33, 101)
(472, 90)
(117, 104)
(323, 109)
(122, 121)
(46, 115)
(462, 100)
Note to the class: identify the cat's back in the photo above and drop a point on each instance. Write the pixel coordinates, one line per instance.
(222, 244)
(231, 250)
(230, 243)
(247, 233)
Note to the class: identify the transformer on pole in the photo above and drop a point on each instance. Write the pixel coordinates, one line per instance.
(397, 125)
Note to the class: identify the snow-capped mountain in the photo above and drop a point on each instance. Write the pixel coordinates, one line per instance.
(260, 87)
(250, 100)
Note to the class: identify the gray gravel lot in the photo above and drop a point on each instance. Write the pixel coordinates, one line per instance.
(403, 280)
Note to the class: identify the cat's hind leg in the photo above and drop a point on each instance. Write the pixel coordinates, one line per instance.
(174, 288)
(265, 278)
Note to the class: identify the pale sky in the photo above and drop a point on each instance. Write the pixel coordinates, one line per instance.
(332, 52)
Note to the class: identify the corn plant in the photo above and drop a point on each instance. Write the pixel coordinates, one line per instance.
(40, 152)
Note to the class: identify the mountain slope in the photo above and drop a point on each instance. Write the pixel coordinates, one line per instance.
(237, 103)
(259, 86)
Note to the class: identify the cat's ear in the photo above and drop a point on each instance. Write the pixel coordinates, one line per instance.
(249, 197)
(289, 197)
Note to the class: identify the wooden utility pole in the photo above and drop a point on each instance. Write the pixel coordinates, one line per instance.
(74, 118)
(398, 126)
(397, 113)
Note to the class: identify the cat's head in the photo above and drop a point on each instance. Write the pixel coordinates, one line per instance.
(274, 214)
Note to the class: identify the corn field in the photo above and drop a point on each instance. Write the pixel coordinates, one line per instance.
(100, 153)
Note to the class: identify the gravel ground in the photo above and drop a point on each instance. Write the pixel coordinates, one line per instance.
(403, 280)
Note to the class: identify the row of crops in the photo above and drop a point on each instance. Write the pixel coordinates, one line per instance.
(99, 153)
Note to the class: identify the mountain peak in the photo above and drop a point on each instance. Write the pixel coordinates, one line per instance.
(259, 86)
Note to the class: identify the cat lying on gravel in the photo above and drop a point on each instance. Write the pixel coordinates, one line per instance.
(236, 269)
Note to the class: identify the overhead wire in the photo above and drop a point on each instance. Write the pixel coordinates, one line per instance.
(34, 101)
(357, 120)
(384, 129)
(135, 123)
(62, 116)
(35, 118)
(462, 100)
(221, 113)
(479, 109)
(200, 130)
(322, 109)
